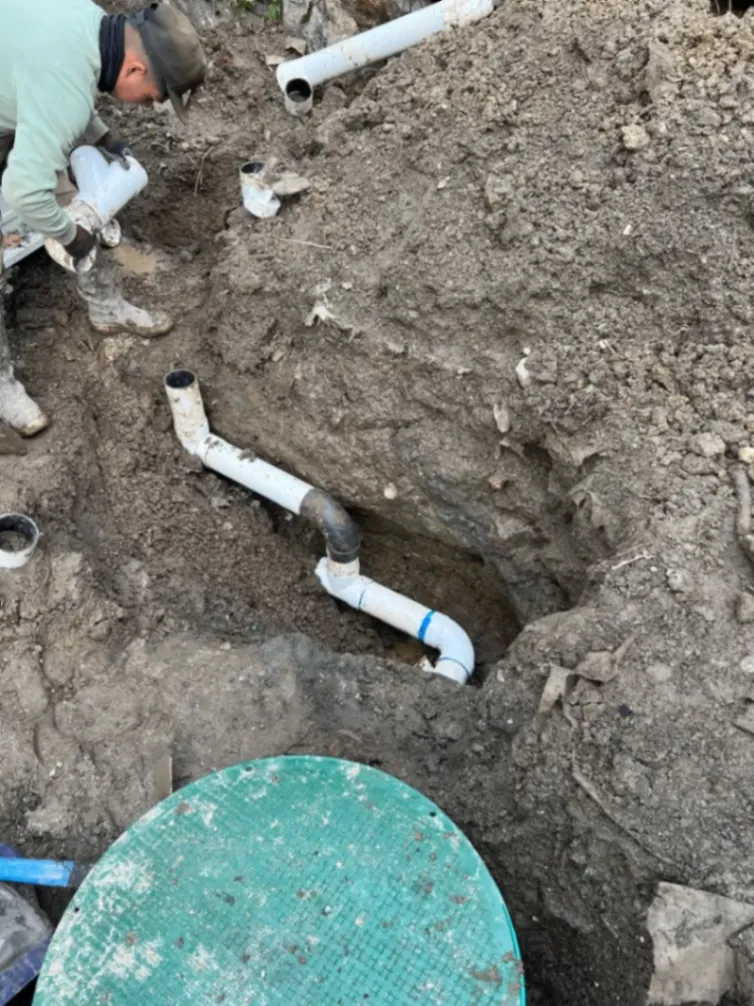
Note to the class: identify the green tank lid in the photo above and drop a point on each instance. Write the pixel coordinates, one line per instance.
(294, 881)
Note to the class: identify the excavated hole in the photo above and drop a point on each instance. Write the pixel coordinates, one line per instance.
(185, 552)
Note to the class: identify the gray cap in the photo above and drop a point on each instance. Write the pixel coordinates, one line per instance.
(175, 52)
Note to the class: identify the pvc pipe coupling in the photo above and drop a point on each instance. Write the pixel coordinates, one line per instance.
(25, 528)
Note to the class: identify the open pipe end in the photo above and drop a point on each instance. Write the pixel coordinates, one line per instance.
(252, 168)
(180, 380)
(24, 528)
(189, 418)
(299, 96)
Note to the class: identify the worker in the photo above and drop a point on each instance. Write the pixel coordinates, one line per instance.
(55, 55)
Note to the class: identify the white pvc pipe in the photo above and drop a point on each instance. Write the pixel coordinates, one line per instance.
(106, 186)
(298, 77)
(259, 476)
(340, 580)
(192, 429)
(431, 627)
(19, 524)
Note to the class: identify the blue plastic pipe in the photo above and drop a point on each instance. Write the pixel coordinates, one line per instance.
(40, 872)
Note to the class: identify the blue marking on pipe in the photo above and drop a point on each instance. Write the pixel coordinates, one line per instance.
(361, 599)
(454, 661)
(38, 872)
(424, 626)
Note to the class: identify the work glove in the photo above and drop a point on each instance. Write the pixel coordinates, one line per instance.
(115, 149)
(82, 245)
(78, 255)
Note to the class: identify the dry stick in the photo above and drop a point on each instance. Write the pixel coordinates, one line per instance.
(591, 792)
(743, 492)
(310, 244)
(200, 172)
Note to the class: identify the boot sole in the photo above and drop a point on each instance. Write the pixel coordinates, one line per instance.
(32, 429)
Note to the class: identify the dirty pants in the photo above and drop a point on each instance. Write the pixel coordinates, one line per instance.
(64, 193)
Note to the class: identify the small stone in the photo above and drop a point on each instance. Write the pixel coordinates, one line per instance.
(660, 672)
(452, 731)
(635, 137)
(707, 445)
(502, 417)
(680, 581)
(390, 492)
(659, 418)
(707, 116)
(498, 190)
(745, 608)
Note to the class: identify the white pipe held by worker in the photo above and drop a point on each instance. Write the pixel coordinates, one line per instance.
(104, 188)
(298, 77)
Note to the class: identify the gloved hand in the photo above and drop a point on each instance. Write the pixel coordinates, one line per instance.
(115, 149)
(82, 245)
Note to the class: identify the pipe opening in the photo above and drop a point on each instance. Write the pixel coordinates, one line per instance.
(298, 90)
(17, 532)
(180, 379)
(737, 7)
(252, 168)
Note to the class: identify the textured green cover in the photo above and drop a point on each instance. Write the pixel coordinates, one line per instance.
(292, 881)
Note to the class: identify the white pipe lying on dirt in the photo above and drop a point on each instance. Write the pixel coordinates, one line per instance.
(431, 627)
(339, 572)
(298, 77)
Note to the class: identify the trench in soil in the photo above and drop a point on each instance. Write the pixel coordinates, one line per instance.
(185, 551)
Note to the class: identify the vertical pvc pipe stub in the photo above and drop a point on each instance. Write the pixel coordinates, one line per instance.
(189, 417)
(19, 524)
(179, 380)
(298, 95)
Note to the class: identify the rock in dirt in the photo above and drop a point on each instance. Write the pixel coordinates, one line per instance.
(707, 445)
(690, 929)
(635, 137)
(745, 608)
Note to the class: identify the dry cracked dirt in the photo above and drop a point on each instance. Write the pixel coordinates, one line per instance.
(534, 239)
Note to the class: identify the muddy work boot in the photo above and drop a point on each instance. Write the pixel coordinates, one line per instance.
(110, 312)
(17, 410)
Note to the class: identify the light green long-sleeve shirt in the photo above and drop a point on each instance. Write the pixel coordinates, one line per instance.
(49, 68)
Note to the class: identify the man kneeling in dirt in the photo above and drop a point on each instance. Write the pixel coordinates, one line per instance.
(54, 56)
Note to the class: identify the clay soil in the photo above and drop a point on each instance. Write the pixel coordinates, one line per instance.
(534, 239)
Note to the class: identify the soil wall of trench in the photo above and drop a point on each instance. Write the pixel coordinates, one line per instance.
(533, 246)
(525, 260)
